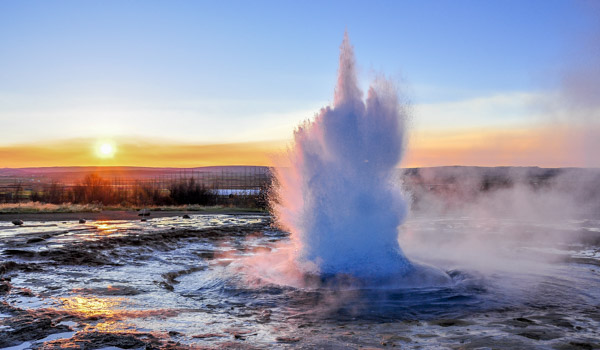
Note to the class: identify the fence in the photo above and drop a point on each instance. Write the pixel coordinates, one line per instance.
(215, 186)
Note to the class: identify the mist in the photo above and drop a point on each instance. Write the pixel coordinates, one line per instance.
(486, 219)
(503, 219)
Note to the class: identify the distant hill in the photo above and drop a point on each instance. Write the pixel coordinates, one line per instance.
(432, 175)
(68, 174)
(575, 191)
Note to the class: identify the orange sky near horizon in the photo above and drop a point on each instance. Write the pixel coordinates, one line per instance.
(542, 146)
(81, 152)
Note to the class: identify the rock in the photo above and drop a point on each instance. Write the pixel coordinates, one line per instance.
(113, 290)
(26, 292)
(144, 220)
(563, 323)
(392, 339)
(425, 335)
(186, 216)
(524, 320)
(264, 316)
(19, 252)
(5, 287)
(540, 334)
(170, 277)
(6, 267)
(287, 339)
(99, 340)
(450, 322)
(28, 326)
(581, 345)
(165, 285)
(209, 335)
(239, 334)
(82, 221)
(17, 222)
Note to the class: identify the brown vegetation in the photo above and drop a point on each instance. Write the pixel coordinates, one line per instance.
(97, 191)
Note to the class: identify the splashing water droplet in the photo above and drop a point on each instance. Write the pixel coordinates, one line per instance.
(337, 193)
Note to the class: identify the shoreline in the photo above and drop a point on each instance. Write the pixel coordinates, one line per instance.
(116, 215)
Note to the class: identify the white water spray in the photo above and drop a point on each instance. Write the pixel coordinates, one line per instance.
(336, 191)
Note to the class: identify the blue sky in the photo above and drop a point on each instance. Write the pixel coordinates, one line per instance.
(235, 71)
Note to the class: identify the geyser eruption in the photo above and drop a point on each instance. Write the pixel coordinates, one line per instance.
(336, 192)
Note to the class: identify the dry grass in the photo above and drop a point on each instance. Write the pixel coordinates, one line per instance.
(37, 207)
(188, 207)
(212, 209)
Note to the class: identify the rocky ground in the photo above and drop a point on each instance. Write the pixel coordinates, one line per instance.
(170, 284)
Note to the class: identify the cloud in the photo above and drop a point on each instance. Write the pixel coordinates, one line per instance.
(553, 128)
(42, 118)
(501, 129)
(498, 110)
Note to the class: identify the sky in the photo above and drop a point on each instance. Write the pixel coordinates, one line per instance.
(195, 83)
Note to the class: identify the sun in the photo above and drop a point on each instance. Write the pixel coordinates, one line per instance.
(105, 150)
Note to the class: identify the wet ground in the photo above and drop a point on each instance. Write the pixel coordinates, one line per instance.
(178, 283)
(105, 215)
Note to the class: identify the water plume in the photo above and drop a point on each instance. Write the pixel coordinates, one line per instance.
(336, 193)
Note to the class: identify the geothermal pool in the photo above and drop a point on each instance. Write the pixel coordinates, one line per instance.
(344, 276)
(185, 283)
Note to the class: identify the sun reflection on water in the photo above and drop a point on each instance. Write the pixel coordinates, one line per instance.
(113, 327)
(92, 307)
(106, 228)
(112, 312)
